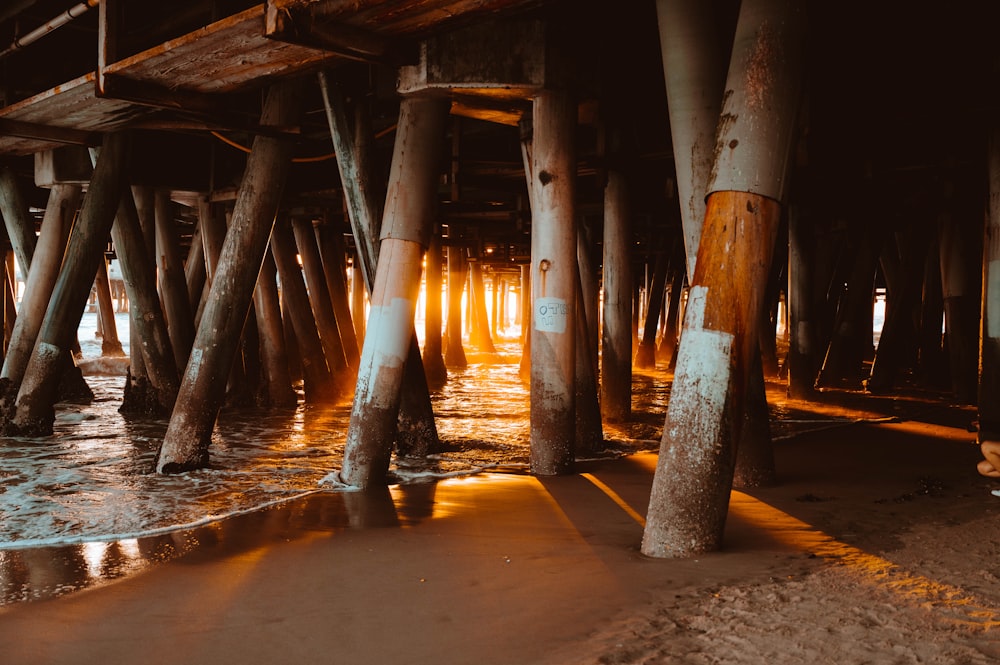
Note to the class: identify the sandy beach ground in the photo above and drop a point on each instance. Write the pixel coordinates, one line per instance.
(879, 545)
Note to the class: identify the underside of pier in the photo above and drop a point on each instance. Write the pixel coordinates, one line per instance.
(737, 193)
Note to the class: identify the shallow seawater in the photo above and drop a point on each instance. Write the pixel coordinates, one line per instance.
(93, 480)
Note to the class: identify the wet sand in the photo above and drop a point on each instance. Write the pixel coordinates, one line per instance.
(879, 545)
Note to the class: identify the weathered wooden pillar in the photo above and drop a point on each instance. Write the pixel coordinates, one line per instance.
(958, 309)
(589, 427)
(185, 445)
(33, 411)
(276, 385)
(110, 344)
(989, 358)
(554, 280)
(454, 351)
(288, 328)
(320, 303)
(899, 330)
(802, 362)
(173, 288)
(480, 337)
(495, 288)
(17, 218)
(645, 355)
(433, 355)
(931, 357)
(153, 390)
(667, 349)
(358, 295)
(319, 384)
(334, 255)
(852, 333)
(407, 224)
(755, 454)
(694, 475)
(694, 68)
(143, 202)
(616, 346)
(416, 430)
(524, 368)
(41, 278)
(195, 272)
(9, 311)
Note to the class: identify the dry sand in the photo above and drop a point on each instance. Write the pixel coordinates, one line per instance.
(879, 545)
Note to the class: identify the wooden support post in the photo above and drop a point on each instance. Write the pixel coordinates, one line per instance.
(276, 385)
(358, 295)
(589, 427)
(154, 390)
(931, 359)
(645, 356)
(318, 380)
(9, 311)
(454, 351)
(494, 306)
(185, 445)
(852, 333)
(755, 455)
(291, 341)
(409, 217)
(524, 369)
(110, 344)
(33, 411)
(803, 359)
(433, 354)
(668, 340)
(17, 218)
(959, 308)
(694, 475)
(899, 330)
(173, 288)
(415, 430)
(41, 278)
(616, 347)
(989, 358)
(694, 68)
(321, 304)
(195, 275)
(555, 282)
(144, 204)
(334, 254)
(480, 338)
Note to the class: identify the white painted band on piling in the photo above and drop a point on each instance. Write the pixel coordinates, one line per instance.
(695, 316)
(698, 396)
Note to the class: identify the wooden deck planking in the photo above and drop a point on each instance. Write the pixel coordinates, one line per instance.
(227, 56)
(72, 105)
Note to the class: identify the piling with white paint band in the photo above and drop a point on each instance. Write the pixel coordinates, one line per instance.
(409, 220)
(694, 475)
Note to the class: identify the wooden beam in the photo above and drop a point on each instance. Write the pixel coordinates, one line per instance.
(298, 24)
(30, 130)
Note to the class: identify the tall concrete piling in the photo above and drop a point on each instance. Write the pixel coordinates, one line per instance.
(185, 445)
(694, 475)
(408, 221)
